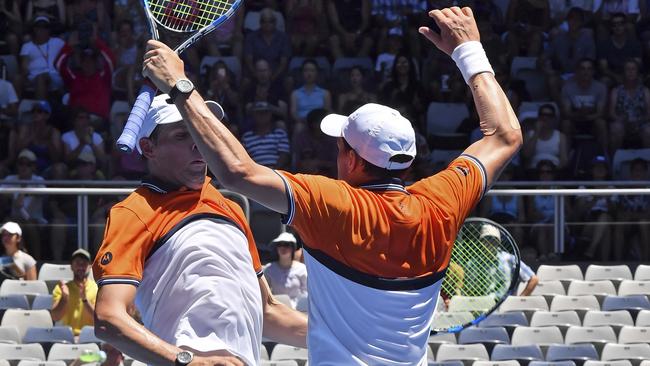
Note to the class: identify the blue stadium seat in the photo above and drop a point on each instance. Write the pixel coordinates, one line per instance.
(531, 352)
(14, 301)
(631, 303)
(48, 336)
(42, 302)
(445, 363)
(577, 352)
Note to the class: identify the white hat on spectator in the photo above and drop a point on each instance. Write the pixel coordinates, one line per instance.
(12, 228)
(379, 134)
(161, 112)
(285, 238)
(490, 231)
(27, 154)
(87, 157)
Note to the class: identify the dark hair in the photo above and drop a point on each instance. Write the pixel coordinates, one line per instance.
(381, 173)
(315, 116)
(618, 15)
(310, 61)
(412, 74)
(546, 106)
(586, 59)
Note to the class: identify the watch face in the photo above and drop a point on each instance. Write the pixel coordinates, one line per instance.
(184, 86)
(184, 357)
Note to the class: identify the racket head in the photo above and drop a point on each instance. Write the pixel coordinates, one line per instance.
(483, 271)
(190, 15)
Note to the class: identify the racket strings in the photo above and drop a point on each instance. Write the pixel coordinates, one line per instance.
(188, 15)
(481, 272)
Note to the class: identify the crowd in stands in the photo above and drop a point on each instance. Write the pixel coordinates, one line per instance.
(573, 70)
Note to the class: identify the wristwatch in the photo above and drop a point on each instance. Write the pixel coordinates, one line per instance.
(183, 358)
(183, 86)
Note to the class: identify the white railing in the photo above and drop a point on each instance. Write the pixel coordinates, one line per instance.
(558, 224)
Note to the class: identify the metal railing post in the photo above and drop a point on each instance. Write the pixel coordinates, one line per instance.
(80, 218)
(562, 223)
(84, 238)
(557, 225)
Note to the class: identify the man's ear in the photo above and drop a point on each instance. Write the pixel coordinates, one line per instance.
(147, 146)
(354, 161)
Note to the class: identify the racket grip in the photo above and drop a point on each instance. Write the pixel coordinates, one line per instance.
(128, 139)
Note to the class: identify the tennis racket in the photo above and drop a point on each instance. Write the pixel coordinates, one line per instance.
(183, 22)
(482, 272)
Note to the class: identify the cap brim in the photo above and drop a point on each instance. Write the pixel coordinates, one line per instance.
(332, 125)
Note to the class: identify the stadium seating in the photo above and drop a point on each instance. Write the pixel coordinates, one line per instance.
(581, 304)
(87, 335)
(527, 304)
(598, 336)
(278, 363)
(444, 118)
(447, 363)
(562, 273)
(614, 351)
(489, 337)
(631, 303)
(48, 336)
(552, 363)
(615, 273)
(629, 287)
(446, 320)
(560, 319)
(31, 351)
(471, 303)
(285, 352)
(612, 318)
(462, 352)
(607, 363)
(634, 335)
(442, 338)
(69, 352)
(642, 319)
(543, 336)
(603, 288)
(23, 319)
(522, 63)
(33, 288)
(14, 301)
(576, 352)
(42, 302)
(527, 353)
(495, 363)
(53, 273)
(9, 334)
(642, 272)
(553, 287)
(303, 304)
(41, 363)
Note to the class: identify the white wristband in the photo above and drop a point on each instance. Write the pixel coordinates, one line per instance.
(471, 59)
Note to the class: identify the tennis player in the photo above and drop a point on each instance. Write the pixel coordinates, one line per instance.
(186, 255)
(376, 250)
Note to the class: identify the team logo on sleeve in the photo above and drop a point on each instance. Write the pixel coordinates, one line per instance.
(106, 258)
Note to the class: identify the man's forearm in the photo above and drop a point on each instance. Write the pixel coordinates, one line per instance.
(130, 337)
(58, 310)
(495, 113)
(285, 325)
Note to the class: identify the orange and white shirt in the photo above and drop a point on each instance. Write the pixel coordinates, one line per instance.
(376, 256)
(192, 255)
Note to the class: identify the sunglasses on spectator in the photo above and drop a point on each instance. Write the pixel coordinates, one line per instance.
(23, 163)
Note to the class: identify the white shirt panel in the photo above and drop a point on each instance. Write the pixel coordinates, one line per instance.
(352, 324)
(200, 290)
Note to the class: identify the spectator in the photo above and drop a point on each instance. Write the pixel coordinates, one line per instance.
(8, 99)
(53, 9)
(356, 95)
(386, 59)
(10, 27)
(541, 212)
(545, 140)
(309, 96)
(27, 209)
(126, 51)
(526, 20)
(526, 274)
(264, 89)
(37, 59)
(90, 12)
(306, 25)
(73, 302)
(268, 43)
(82, 138)
(634, 236)
(629, 110)
(311, 152)
(222, 88)
(287, 276)
(395, 17)
(350, 20)
(616, 49)
(62, 214)
(403, 90)
(24, 265)
(569, 46)
(131, 10)
(89, 84)
(39, 136)
(506, 210)
(583, 104)
(267, 145)
(597, 213)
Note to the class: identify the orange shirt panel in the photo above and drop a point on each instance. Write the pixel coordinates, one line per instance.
(137, 224)
(388, 232)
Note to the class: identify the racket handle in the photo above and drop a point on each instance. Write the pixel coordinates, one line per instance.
(128, 139)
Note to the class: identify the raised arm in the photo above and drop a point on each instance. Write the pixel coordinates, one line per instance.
(225, 155)
(459, 38)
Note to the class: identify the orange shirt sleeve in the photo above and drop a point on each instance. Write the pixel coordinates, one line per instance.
(126, 244)
(318, 205)
(456, 190)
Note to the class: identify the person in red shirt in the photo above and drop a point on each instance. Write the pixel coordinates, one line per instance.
(87, 74)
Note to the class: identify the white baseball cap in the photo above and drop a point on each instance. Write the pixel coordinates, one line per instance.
(285, 238)
(12, 228)
(161, 113)
(376, 132)
(490, 231)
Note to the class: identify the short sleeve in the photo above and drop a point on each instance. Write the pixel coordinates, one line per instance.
(97, 139)
(24, 50)
(525, 272)
(316, 199)
(126, 244)
(456, 190)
